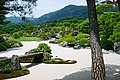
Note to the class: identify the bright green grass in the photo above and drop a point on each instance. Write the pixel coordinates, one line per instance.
(29, 39)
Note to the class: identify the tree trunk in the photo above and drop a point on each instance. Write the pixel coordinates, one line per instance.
(98, 67)
(118, 2)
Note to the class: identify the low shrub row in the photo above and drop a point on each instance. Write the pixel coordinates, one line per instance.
(82, 39)
(10, 43)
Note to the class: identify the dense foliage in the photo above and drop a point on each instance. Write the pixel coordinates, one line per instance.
(42, 47)
(12, 43)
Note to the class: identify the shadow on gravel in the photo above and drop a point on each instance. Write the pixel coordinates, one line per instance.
(32, 64)
(112, 73)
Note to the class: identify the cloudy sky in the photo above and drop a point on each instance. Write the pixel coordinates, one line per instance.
(46, 6)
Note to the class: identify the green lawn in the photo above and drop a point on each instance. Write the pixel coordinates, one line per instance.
(29, 39)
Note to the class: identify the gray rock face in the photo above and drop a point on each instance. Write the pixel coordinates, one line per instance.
(15, 64)
(64, 44)
(13, 45)
(76, 47)
(117, 47)
(47, 56)
(2, 39)
(58, 36)
(53, 40)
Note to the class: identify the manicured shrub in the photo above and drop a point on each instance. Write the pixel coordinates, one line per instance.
(15, 35)
(12, 41)
(5, 35)
(84, 42)
(5, 44)
(82, 35)
(70, 40)
(60, 40)
(2, 47)
(43, 47)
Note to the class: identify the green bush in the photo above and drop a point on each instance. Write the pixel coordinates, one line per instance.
(11, 41)
(115, 37)
(2, 47)
(15, 35)
(70, 40)
(5, 66)
(24, 68)
(5, 44)
(5, 35)
(82, 35)
(42, 47)
(60, 40)
(84, 42)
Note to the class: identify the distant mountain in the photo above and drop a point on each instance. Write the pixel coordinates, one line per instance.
(70, 10)
(17, 20)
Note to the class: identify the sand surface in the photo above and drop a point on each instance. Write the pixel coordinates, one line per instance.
(58, 71)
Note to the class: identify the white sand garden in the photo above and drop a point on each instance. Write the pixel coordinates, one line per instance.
(58, 71)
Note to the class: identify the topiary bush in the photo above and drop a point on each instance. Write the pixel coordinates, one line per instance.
(15, 35)
(2, 47)
(84, 42)
(5, 44)
(43, 47)
(82, 35)
(70, 40)
(12, 41)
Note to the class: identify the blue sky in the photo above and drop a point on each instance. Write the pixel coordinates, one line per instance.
(46, 6)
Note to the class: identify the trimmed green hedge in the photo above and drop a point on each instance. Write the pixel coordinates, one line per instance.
(5, 44)
(2, 47)
(11, 41)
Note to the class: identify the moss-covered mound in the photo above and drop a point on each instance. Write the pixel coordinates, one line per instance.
(16, 73)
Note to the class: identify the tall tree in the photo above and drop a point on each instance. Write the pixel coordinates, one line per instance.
(20, 7)
(98, 67)
(2, 11)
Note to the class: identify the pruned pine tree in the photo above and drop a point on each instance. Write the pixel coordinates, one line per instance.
(98, 67)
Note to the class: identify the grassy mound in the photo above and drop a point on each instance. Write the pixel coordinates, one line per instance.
(16, 73)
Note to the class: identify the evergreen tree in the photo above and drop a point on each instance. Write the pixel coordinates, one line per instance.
(98, 67)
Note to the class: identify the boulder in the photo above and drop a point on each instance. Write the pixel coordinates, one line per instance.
(46, 56)
(117, 47)
(53, 40)
(58, 36)
(2, 39)
(15, 64)
(64, 44)
(13, 45)
(76, 47)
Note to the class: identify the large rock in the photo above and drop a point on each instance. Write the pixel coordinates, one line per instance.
(64, 44)
(15, 64)
(58, 36)
(117, 47)
(77, 46)
(14, 45)
(2, 39)
(47, 56)
(53, 40)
